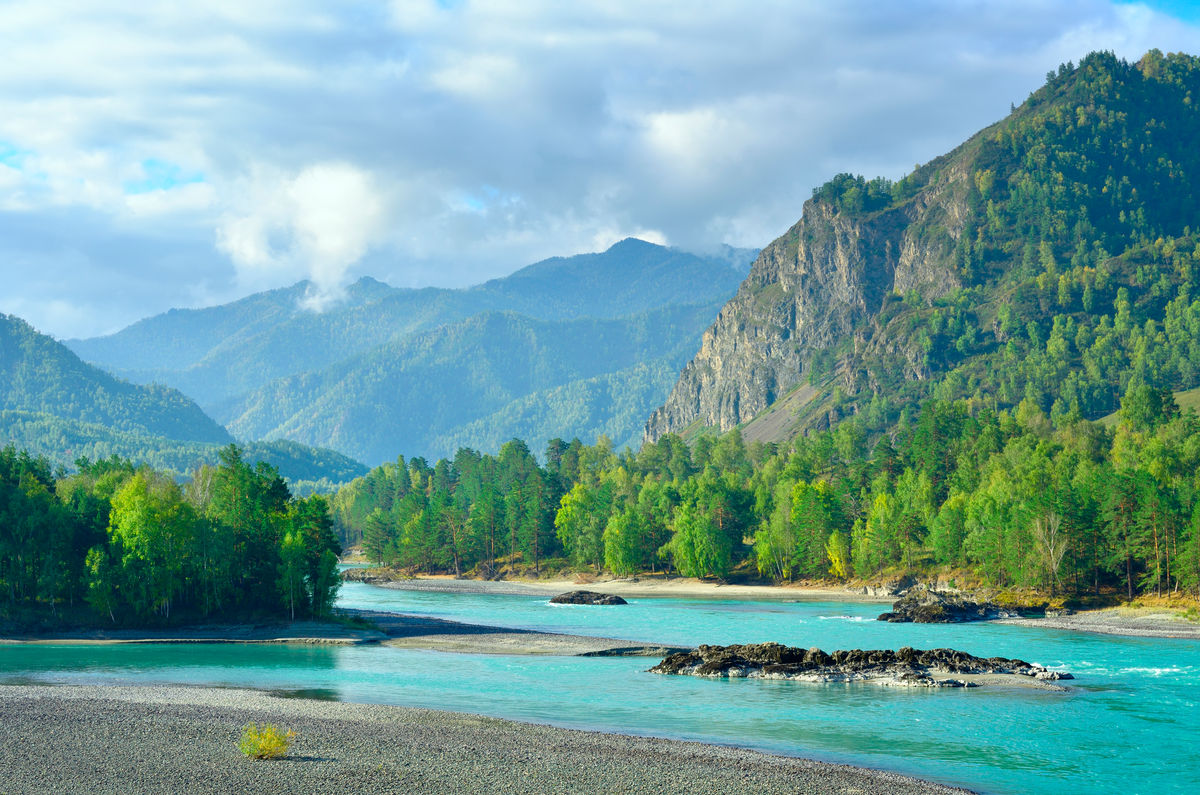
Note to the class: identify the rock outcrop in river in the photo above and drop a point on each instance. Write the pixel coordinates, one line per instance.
(587, 598)
(923, 605)
(907, 667)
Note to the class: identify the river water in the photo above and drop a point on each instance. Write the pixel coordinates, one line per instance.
(1129, 724)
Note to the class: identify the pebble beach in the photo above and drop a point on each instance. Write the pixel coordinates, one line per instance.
(110, 739)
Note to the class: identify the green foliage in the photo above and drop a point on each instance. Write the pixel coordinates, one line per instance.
(63, 442)
(40, 376)
(698, 547)
(1070, 507)
(137, 548)
(852, 194)
(269, 742)
(1076, 255)
(624, 543)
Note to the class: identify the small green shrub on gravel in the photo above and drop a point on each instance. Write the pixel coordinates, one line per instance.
(269, 742)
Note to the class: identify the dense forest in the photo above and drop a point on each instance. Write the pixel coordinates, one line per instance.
(118, 544)
(62, 441)
(1006, 498)
(40, 375)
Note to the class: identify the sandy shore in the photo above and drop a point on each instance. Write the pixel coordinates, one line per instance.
(639, 588)
(1146, 622)
(164, 739)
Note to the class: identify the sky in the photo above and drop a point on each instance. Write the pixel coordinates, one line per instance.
(183, 155)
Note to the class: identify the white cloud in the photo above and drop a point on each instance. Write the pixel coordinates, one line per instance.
(482, 77)
(448, 143)
(193, 197)
(414, 16)
(315, 224)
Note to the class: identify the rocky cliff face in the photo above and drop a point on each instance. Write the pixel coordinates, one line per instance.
(815, 289)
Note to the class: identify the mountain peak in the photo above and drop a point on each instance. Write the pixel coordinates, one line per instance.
(631, 244)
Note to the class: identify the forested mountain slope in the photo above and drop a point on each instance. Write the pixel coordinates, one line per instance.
(54, 405)
(478, 382)
(1053, 256)
(630, 277)
(40, 375)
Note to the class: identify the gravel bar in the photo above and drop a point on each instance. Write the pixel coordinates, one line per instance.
(101, 739)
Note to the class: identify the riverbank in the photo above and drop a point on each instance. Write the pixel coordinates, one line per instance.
(177, 739)
(1129, 621)
(646, 587)
(1143, 622)
(389, 629)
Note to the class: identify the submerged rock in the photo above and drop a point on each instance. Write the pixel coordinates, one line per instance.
(907, 666)
(587, 598)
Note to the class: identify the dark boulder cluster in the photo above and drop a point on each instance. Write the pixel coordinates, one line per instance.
(922, 605)
(587, 598)
(908, 666)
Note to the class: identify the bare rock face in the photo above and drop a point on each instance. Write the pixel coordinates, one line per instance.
(823, 281)
(587, 598)
(907, 666)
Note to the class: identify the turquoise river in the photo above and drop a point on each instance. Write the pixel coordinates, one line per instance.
(1130, 723)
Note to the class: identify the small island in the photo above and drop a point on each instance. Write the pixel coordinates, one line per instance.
(587, 598)
(924, 605)
(907, 667)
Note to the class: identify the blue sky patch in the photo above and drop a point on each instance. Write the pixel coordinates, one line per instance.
(12, 156)
(1183, 9)
(161, 175)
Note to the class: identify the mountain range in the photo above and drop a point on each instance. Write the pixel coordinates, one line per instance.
(1047, 264)
(573, 346)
